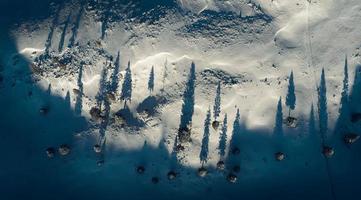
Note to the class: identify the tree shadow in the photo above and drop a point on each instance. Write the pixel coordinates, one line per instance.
(63, 34)
(291, 97)
(217, 102)
(67, 100)
(103, 85)
(115, 75)
(223, 139)
(349, 112)
(312, 130)
(343, 124)
(355, 95)
(54, 24)
(126, 94)
(149, 105)
(105, 121)
(26, 135)
(184, 131)
(79, 92)
(104, 25)
(235, 142)
(203, 155)
(151, 80)
(28, 130)
(322, 107)
(278, 133)
(128, 117)
(75, 28)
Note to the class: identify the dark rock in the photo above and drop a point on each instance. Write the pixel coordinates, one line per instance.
(355, 117)
(236, 151)
(95, 113)
(50, 152)
(64, 150)
(184, 134)
(140, 170)
(77, 92)
(351, 138)
(171, 175)
(97, 148)
(291, 122)
(215, 125)
(155, 180)
(328, 151)
(111, 97)
(100, 163)
(220, 165)
(202, 172)
(236, 169)
(179, 148)
(44, 110)
(232, 178)
(279, 156)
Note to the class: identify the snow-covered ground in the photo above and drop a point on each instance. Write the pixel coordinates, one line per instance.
(157, 68)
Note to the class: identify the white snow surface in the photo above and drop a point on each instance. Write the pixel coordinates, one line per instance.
(302, 36)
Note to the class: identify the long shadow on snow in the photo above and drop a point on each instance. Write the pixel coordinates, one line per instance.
(26, 133)
(75, 28)
(187, 107)
(63, 34)
(37, 132)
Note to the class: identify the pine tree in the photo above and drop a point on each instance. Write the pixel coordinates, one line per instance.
(217, 102)
(126, 94)
(291, 97)
(151, 80)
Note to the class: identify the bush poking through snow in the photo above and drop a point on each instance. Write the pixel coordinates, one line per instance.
(202, 172)
(180, 148)
(77, 92)
(171, 175)
(215, 125)
(140, 170)
(95, 114)
(328, 152)
(50, 152)
(220, 165)
(232, 178)
(97, 148)
(155, 180)
(351, 138)
(64, 150)
(279, 156)
(184, 134)
(111, 97)
(291, 122)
